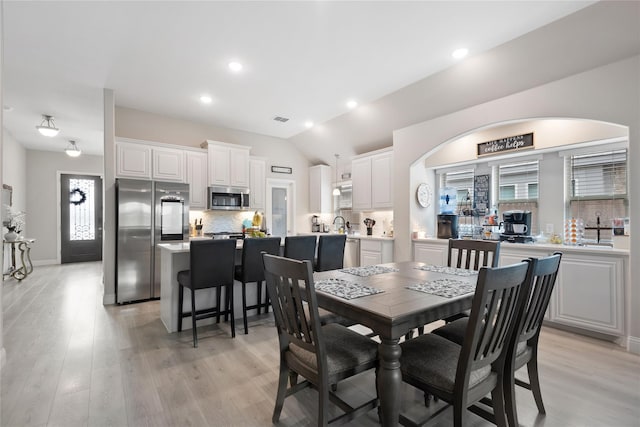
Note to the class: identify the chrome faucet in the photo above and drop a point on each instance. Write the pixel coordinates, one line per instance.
(343, 222)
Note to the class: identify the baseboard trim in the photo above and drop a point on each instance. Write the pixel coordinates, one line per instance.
(109, 299)
(633, 345)
(45, 262)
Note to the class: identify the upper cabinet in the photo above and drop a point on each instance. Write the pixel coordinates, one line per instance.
(149, 161)
(168, 164)
(372, 177)
(228, 164)
(133, 160)
(197, 179)
(257, 180)
(320, 189)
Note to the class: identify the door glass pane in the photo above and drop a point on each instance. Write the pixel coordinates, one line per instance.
(82, 209)
(279, 211)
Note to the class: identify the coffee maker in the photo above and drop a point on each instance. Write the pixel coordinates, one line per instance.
(517, 226)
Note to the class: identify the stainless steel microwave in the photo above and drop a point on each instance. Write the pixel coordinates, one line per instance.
(228, 198)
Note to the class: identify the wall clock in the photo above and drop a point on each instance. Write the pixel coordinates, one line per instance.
(424, 195)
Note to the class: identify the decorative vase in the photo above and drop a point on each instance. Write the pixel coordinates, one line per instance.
(11, 236)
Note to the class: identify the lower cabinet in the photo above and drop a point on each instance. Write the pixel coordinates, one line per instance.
(430, 253)
(589, 290)
(589, 294)
(374, 252)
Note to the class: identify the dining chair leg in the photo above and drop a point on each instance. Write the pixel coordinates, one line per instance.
(534, 381)
(180, 302)
(509, 382)
(282, 392)
(266, 297)
(244, 308)
(226, 297)
(193, 317)
(323, 405)
(497, 400)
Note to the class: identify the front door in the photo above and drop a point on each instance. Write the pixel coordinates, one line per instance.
(80, 218)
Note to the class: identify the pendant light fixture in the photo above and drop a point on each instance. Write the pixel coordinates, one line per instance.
(72, 149)
(336, 190)
(48, 126)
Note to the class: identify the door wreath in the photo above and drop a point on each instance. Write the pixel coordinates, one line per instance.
(77, 192)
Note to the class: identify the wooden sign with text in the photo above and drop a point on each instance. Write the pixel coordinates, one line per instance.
(503, 145)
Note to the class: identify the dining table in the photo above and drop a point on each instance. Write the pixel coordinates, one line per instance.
(392, 300)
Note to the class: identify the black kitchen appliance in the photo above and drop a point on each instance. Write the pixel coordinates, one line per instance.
(447, 226)
(315, 224)
(517, 226)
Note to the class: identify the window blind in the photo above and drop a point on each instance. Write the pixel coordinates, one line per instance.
(518, 181)
(599, 175)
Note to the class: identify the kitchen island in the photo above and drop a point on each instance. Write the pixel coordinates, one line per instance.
(174, 258)
(590, 294)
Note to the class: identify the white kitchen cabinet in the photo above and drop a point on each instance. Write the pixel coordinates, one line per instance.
(320, 192)
(168, 164)
(373, 252)
(372, 177)
(430, 253)
(133, 160)
(257, 183)
(589, 290)
(228, 164)
(589, 294)
(197, 179)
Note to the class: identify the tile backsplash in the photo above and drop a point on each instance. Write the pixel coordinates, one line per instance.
(220, 221)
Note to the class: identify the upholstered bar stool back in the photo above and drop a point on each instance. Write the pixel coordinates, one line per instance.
(252, 270)
(211, 266)
(331, 252)
(300, 248)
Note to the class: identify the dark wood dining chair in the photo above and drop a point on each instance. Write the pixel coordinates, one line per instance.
(300, 247)
(323, 355)
(463, 375)
(331, 252)
(251, 270)
(211, 265)
(524, 348)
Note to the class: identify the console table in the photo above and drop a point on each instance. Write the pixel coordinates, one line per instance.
(25, 267)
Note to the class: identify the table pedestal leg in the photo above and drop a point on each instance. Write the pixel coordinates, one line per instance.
(389, 381)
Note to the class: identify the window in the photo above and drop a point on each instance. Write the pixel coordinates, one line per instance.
(518, 189)
(462, 181)
(598, 191)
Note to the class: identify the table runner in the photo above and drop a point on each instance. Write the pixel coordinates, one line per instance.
(447, 288)
(368, 270)
(345, 289)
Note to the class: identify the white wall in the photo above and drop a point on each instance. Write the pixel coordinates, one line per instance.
(42, 197)
(609, 93)
(14, 172)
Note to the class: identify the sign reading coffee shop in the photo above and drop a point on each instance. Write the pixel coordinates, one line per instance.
(504, 145)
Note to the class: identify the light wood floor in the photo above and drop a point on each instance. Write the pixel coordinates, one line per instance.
(72, 361)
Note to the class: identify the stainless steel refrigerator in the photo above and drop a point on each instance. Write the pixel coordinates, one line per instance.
(148, 213)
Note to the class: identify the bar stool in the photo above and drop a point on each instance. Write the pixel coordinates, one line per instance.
(331, 252)
(212, 265)
(252, 270)
(301, 248)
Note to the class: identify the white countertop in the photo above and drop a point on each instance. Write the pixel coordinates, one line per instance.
(600, 250)
(351, 236)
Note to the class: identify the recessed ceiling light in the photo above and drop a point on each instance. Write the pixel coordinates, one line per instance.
(460, 53)
(308, 125)
(352, 104)
(235, 66)
(205, 99)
